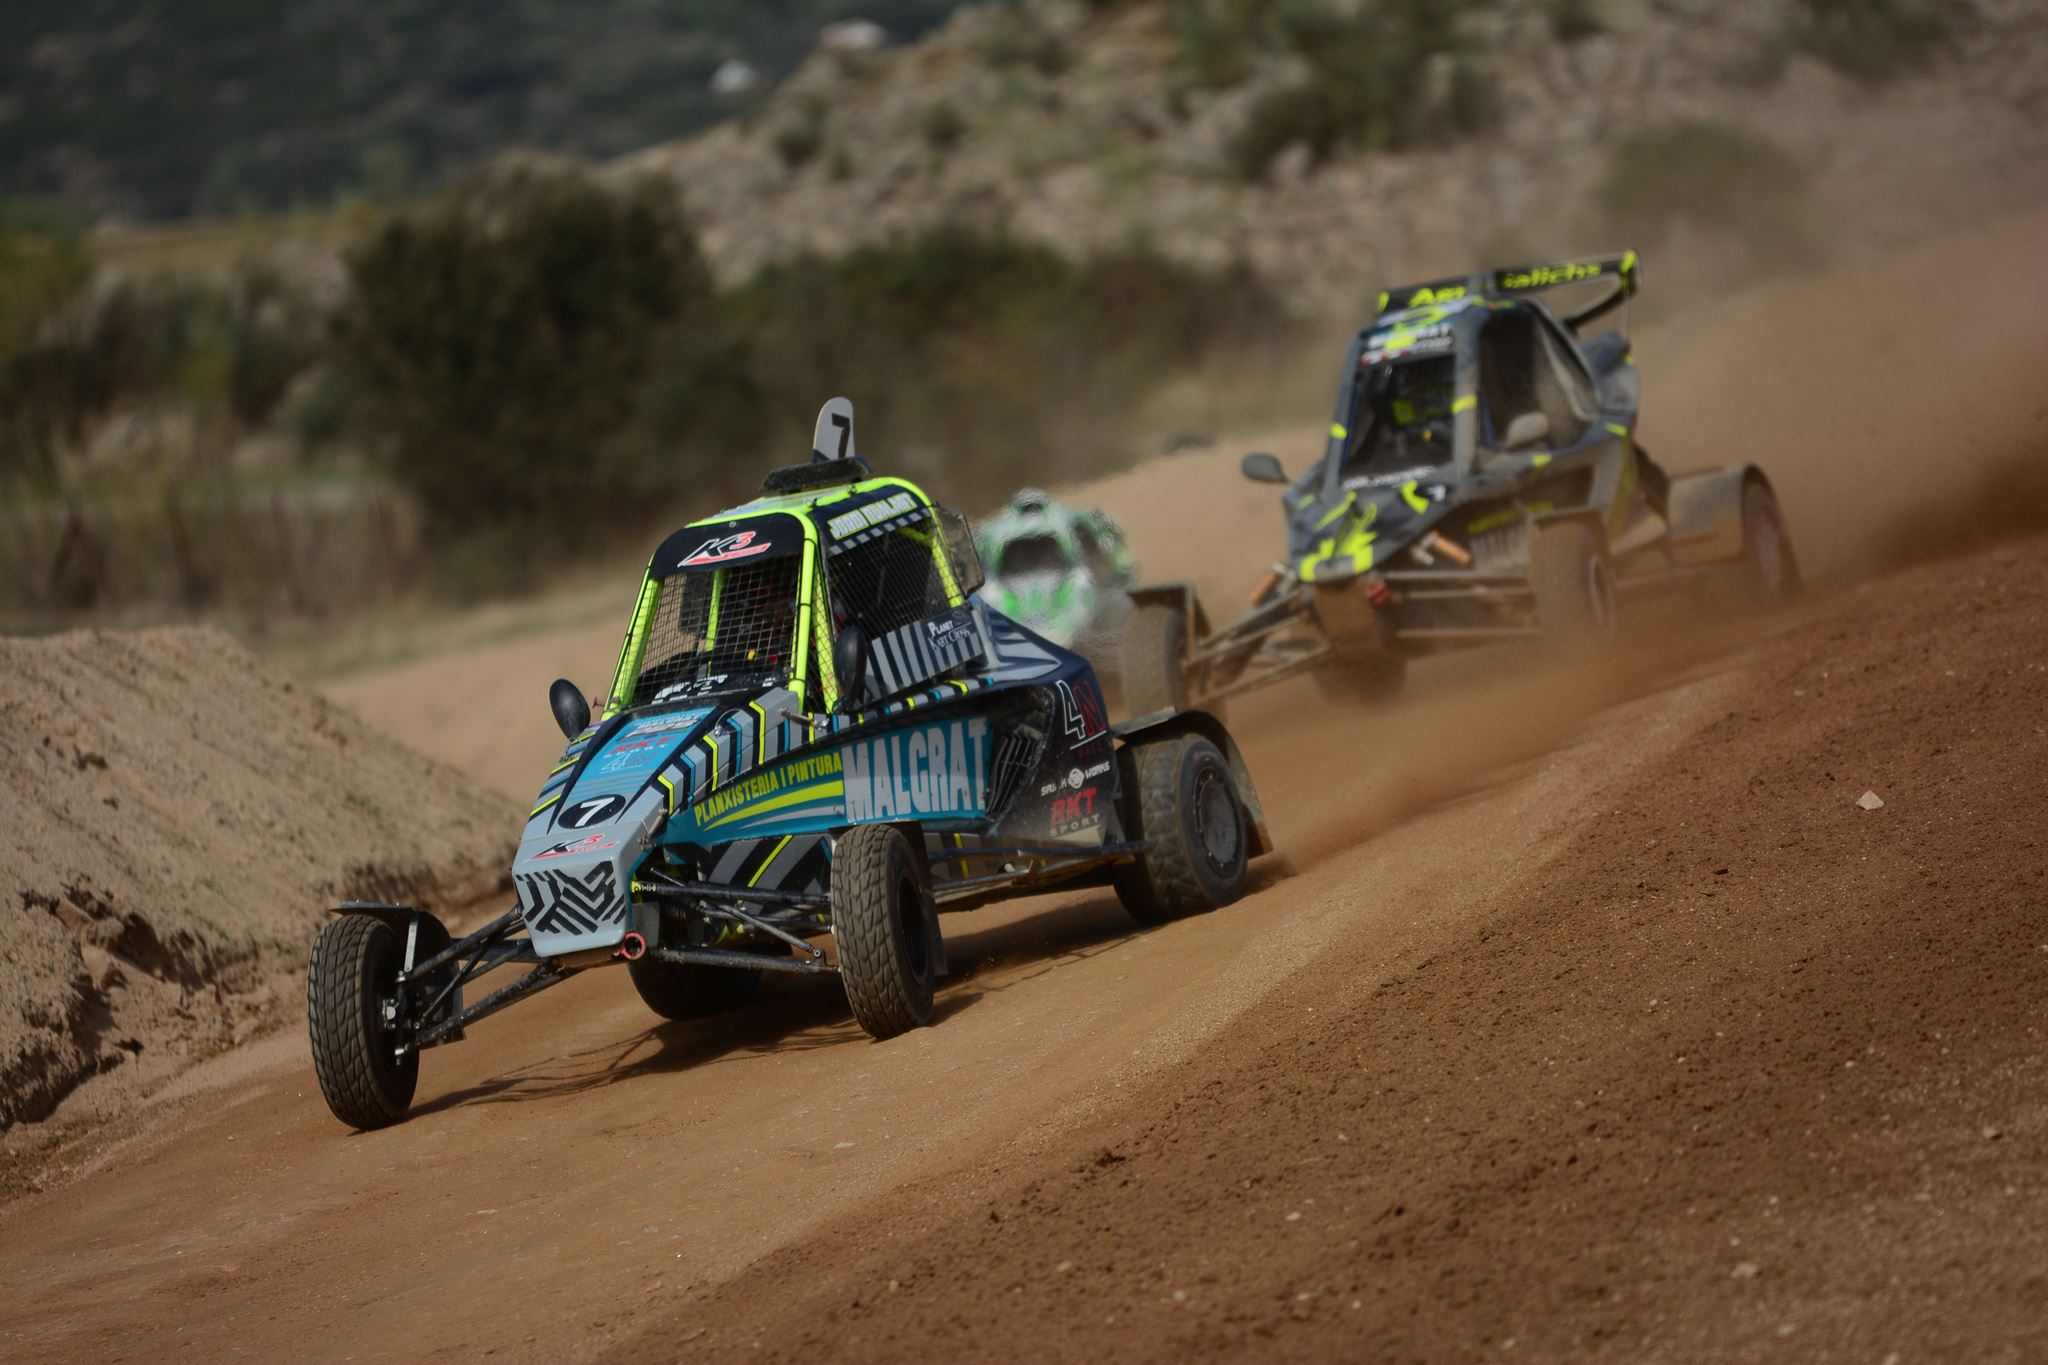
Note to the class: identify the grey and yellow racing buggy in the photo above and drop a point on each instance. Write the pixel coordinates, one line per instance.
(1482, 481)
(815, 732)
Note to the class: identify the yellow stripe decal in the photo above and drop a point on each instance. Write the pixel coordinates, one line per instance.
(797, 797)
(1469, 401)
(544, 805)
(769, 861)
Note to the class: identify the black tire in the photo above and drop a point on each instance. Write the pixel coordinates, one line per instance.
(353, 972)
(1574, 586)
(882, 922)
(1155, 651)
(1372, 683)
(692, 990)
(1180, 794)
(1769, 569)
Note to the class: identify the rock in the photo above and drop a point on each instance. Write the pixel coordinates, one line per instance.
(1747, 1270)
(100, 966)
(1870, 801)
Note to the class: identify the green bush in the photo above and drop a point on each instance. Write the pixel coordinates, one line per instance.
(1219, 41)
(1872, 40)
(1716, 177)
(498, 342)
(1368, 83)
(1572, 20)
(1003, 360)
(942, 126)
(69, 356)
(799, 139)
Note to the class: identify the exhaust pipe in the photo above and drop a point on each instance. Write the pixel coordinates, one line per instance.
(633, 946)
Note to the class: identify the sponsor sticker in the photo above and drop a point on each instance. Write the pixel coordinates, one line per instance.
(725, 549)
(1073, 814)
(698, 687)
(860, 518)
(589, 843)
(663, 725)
(786, 789)
(941, 632)
(938, 771)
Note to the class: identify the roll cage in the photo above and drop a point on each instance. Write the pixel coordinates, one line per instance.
(754, 597)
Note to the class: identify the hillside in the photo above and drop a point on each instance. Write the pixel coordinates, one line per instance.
(156, 110)
(1373, 140)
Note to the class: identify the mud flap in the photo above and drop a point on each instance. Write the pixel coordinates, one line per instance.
(1706, 515)
(1181, 595)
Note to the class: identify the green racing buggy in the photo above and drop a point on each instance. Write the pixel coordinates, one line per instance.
(815, 731)
(1061, 571)
(1481, 482)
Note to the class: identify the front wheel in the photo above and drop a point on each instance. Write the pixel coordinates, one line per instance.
(882, 922)
(1574, 586)
(1181, 797)
(353, 1019)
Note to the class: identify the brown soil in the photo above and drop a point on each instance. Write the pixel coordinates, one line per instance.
(1653, 1045)
(1583, 1014)
(173, 817)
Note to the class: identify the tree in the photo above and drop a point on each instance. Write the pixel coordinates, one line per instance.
(499, 341)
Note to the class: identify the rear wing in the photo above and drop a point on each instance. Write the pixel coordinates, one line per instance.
(1624, 269)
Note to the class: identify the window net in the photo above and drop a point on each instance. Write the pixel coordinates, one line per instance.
(732, 625)
(1521, 371)
(902, 571)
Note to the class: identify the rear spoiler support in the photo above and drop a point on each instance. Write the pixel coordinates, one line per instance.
(1624, 269)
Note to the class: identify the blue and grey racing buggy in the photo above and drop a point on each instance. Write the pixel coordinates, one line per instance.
(1482, 482)
(815, 729)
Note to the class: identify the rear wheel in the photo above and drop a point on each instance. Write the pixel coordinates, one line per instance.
(1155, 651)
(1574, 586)
(1180, 795)
(1769, 570)
(882, 922)
(352, 1019)
(692, 990)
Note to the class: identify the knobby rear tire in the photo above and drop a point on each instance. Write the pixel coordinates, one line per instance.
(1181, 795)
(692, 990)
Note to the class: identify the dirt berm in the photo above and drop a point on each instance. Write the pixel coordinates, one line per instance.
(173, 818)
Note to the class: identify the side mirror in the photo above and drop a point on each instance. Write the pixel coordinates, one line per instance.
(1260, 467)
(1531, 428)
(572, 712)
(850, 662)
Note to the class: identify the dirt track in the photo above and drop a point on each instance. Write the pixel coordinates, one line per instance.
(1652, 1045)
(1584, 1014)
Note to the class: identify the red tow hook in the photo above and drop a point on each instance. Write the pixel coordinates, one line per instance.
(1377, 592)
(633, 946)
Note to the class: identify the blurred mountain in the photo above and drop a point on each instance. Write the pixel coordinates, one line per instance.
(160, 109)
(1333, 145)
